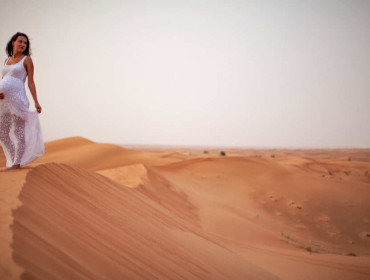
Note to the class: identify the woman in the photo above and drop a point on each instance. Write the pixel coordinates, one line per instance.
(20, 131)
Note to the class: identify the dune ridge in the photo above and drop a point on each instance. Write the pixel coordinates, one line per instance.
(71, 214)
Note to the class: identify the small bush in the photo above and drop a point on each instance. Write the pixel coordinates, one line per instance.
(351, 254)
(273, 156)
(349, 159)
(287, 236)
(222, 153)
(205, 152)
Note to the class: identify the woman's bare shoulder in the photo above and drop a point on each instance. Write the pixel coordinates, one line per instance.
(28, 58)
(28, 61)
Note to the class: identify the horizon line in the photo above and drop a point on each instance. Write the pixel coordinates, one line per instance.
(238, 147)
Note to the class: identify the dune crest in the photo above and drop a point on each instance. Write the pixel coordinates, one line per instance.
(76, 224)
(83, 153)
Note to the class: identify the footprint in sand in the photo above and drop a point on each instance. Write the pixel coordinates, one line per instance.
(293, 204)
(274, 199)
(365, 235)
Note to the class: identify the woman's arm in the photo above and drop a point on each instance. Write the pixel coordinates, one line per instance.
(1, 94)
(4, 64)
(28, 64)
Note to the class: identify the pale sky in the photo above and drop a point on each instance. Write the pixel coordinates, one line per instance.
(257, 73)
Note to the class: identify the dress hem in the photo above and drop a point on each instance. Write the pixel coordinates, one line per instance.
(28, 161)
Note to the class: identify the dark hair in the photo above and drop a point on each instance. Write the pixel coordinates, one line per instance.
(9, 46)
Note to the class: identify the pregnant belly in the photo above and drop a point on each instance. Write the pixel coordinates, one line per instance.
(11, 85)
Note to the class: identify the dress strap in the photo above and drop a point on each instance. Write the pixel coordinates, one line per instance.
(6, 62)
(24, 58)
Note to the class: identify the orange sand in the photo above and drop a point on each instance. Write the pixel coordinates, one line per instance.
(87, 210)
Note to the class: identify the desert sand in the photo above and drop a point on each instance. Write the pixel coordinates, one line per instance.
(90, 210)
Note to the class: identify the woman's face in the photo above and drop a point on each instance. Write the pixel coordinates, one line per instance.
(20, 44)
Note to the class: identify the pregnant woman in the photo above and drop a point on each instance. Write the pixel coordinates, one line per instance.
(20, 131)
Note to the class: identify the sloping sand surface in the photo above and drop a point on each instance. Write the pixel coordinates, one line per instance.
(100, 211)
(261, 209)
(76, 224)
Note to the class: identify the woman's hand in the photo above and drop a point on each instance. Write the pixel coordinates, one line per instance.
(1, 95)
(38, 107)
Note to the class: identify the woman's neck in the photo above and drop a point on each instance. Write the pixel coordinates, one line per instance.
(17, 55)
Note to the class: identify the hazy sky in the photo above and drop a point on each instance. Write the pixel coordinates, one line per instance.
(193, 72)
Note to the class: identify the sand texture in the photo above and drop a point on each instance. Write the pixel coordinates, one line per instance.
(89, 210)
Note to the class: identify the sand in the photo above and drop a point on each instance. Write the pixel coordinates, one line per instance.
(89, 210)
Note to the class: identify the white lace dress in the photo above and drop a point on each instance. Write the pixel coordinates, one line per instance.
(20, 130)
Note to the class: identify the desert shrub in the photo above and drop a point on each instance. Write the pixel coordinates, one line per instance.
(205, 152)
(222, 153)
(286, 235)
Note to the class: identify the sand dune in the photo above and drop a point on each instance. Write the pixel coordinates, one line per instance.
(100, 211)
(74, 223)
(80, 152)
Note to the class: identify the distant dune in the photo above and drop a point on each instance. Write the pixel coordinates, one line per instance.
(88, 210)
